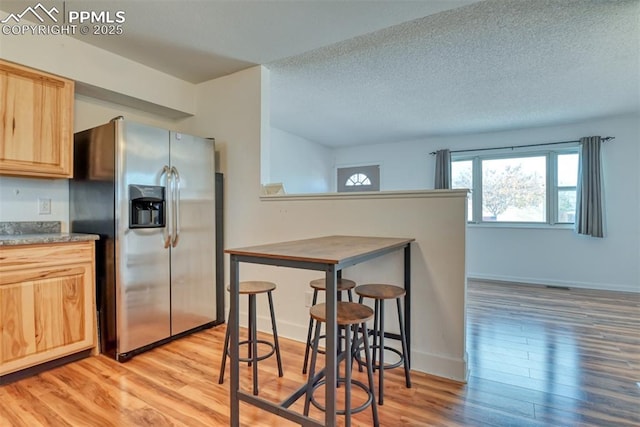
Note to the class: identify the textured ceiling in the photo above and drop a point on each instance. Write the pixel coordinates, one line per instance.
(488, 66)
(351, 72)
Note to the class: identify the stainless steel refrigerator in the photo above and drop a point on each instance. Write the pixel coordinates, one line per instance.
(150, 194)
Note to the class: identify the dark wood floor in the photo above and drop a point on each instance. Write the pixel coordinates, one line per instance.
(555, 356)
(537, 357)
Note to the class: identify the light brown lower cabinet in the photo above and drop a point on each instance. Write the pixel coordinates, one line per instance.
(47, 303)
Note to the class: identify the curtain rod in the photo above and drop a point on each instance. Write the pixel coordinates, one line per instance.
(604, 139)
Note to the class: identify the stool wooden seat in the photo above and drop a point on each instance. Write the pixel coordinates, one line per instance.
(320, 285)
(353, 317)
(253, 288)
(348, 313)
(341, 284)
(379, 293)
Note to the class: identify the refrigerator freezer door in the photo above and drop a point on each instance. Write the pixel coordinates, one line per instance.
(193, 271)
(143, 294)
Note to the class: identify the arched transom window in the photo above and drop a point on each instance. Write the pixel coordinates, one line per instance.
(358, 179)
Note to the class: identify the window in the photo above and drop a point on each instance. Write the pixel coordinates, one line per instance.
(462, 177)
(567, 187)
(359, 178)
(525, 187)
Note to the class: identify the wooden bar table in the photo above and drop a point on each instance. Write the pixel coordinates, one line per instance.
(330, 254)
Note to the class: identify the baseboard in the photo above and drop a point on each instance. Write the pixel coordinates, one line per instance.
(440, 366)
(37, 369)
(446, 367)
(293, 331)
(547, 282)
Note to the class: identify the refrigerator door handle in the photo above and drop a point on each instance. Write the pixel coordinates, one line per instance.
(176, 206)
(166, 233)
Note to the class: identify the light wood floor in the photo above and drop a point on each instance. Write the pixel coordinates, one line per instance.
(537, 356)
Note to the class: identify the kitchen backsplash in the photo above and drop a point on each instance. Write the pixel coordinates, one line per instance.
(29, 227)
(21, 200)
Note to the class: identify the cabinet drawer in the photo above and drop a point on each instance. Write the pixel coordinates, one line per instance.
(53, 254)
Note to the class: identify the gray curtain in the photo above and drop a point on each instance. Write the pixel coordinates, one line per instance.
(589, 219)
(443, 169)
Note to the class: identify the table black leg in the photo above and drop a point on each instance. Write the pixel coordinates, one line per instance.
(407, 300)
(253, 343)
(381, 354)
(331, 372)
(233, 355)
(403, 337)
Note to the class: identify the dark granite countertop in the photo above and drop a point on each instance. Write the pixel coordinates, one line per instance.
(33, 233)
(34, 239)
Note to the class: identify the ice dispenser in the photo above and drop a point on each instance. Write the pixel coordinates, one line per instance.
(146, 206)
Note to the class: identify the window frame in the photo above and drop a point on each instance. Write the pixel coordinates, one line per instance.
(370, 171)
(558, 188)
(551, 184)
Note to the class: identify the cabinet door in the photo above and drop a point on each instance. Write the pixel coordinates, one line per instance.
(45, 313)
(36, 126)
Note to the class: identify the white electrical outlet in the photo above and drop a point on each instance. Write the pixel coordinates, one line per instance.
(44, 206)
(308, 299)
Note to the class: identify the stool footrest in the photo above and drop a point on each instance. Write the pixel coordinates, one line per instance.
(258, 358)
(320, 350)
(375, 365)
(355, 410)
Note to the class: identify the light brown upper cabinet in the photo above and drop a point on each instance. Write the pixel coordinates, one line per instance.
(36, 123)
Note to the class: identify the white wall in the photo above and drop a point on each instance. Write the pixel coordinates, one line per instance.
(234, 109)
(19, 199)
(302, 165)
(402, 165)
(562, 257)
(90, 112)
(543, 256)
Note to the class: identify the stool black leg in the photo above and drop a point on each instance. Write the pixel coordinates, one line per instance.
(355, 348)
(225, 352)
(309, 333)
(360, 299)
(405, 355)
(367, 355)
(376, 333)
(312, 369)
(347, 376)
(250, 331)
(275, 334)
(253, 342)
(341, 330)
(381, 354)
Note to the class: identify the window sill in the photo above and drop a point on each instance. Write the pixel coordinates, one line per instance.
(521, 225)
(411, 194)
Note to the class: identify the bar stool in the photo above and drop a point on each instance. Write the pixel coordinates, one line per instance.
(351, 316)
(380, 293)
(320, 285)
(253, 288)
